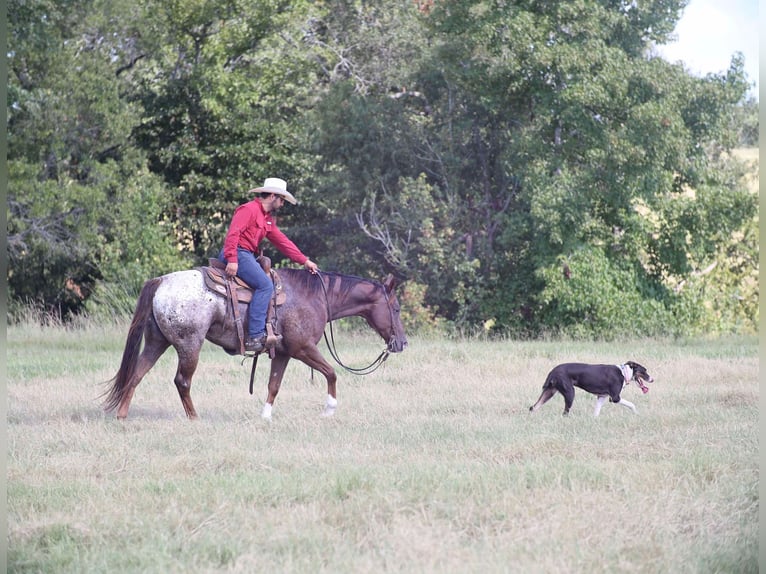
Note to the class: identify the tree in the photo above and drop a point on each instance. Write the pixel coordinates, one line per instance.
(505, 158)
(543, 130)
(747, 122)
(221, 102)
(75, 181)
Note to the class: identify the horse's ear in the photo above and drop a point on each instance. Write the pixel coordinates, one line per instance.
(389, 282)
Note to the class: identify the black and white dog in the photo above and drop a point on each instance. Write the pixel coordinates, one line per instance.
(604, 381)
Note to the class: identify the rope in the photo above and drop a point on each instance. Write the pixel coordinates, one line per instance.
(333, 348)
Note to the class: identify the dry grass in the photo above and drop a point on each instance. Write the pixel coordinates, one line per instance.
(432, 463)
(751, 156)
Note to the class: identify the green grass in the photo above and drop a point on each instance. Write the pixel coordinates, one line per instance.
(431, 464)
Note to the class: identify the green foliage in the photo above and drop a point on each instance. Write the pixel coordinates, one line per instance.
(470, 147)
(727, 288)
(590, 129)
(222, 110)
(747, 123)
(65, 236)
(82, 206)
(416, 315)
(587, 295)
(422, 244)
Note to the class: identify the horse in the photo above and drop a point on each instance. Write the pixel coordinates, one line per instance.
(178, 310)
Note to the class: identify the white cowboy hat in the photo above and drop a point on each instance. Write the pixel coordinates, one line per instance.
(275, 185)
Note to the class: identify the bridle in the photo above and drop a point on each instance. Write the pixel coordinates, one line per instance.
(331, 341)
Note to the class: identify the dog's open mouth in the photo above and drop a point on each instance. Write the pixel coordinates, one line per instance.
(640, 383)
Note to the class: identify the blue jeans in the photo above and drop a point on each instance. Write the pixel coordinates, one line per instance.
(251, 272)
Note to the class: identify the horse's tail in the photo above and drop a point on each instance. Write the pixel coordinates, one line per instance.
(120, 384)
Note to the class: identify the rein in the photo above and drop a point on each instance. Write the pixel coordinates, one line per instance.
(333, 348)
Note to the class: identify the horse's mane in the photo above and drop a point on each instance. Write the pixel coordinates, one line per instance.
(302, 279)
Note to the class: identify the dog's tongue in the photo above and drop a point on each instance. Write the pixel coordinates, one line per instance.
(644, 388)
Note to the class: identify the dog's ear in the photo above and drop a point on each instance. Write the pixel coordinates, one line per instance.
(635, 366)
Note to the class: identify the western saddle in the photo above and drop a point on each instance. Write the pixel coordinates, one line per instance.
(237, 291)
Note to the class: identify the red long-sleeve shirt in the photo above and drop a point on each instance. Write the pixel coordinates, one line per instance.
(249, 225)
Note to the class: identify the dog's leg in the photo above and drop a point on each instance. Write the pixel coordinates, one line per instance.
(629, 405)
(568, 392)
(545, 396)
(599, 403)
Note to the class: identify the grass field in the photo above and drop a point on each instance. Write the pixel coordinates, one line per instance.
(432, 463)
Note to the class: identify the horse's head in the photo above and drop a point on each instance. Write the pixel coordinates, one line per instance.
(385, 317)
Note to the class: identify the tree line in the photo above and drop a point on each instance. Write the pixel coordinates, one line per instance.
(526, 167)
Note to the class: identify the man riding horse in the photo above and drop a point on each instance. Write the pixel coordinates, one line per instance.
(252, 222)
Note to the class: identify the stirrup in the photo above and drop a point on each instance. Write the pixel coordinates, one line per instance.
(272, 340)
(271, 337)
(254, 344)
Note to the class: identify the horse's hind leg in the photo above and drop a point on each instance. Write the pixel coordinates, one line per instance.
(155, 344)
(278, 366)
(187, 364)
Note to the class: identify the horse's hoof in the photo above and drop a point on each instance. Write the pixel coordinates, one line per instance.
(330, 405)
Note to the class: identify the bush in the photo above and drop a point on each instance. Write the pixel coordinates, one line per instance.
(588, 296)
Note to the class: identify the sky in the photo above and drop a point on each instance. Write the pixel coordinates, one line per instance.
(709, 33)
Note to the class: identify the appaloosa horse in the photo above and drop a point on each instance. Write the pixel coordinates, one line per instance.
(178, 310)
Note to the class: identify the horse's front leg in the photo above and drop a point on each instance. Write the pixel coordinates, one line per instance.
(314, 359)
(278, 366)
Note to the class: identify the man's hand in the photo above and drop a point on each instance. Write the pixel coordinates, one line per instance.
(231, 269)
(312, 267)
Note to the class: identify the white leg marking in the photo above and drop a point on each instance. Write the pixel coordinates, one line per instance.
(629, 405)
(599, 403)
(330, 406)
(266, 412)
